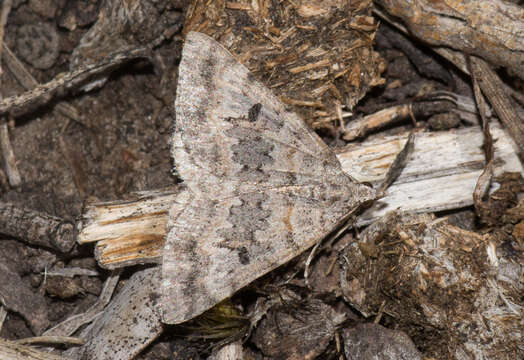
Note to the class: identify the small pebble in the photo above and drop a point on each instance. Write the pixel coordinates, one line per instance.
(444, 121)
(37, 44)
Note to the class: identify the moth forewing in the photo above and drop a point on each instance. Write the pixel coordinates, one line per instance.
(263, 186)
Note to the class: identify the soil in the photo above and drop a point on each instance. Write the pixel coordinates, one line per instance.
(121, 145)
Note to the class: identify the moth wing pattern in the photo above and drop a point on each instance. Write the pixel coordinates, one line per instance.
(262, 186)
(215, 103)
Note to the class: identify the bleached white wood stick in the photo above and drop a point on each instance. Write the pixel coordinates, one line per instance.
(440, 175)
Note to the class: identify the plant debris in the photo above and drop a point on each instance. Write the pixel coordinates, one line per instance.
(319, 60)
(88, 89)
(430, 275)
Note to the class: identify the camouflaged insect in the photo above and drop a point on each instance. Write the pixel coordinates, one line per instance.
(262, 186)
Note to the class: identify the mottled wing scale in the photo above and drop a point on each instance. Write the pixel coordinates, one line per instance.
(262, 187)
(212, 113)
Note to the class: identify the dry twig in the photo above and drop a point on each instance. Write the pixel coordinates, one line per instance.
(3, 315)
(7, 150)
(27, 80)
(6, 8)
(494, 90)
(69, 80)
(58, 340)
(36, 228)
(430, 104)
(484, 180)
(69, 326)
(71, 272)
(10, 350)
(11, 169)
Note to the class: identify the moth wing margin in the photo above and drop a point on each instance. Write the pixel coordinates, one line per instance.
(215, 248)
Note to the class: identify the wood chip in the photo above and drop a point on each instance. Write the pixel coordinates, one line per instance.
(129, 323)
(11, 169)
(128, 232)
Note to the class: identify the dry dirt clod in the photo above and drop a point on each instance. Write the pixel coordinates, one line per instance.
(38, 44)
(444, 121)
(372, 341)
(297, 330)
(19, 298)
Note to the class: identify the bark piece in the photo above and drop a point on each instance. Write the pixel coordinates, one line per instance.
(490, 29)
(129, 323)
(70, 325)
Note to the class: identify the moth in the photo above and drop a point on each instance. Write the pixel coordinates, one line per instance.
(262, 186)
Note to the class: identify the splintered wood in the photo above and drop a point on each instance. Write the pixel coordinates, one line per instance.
(441, 175)
(130, 231)
(317, 56)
